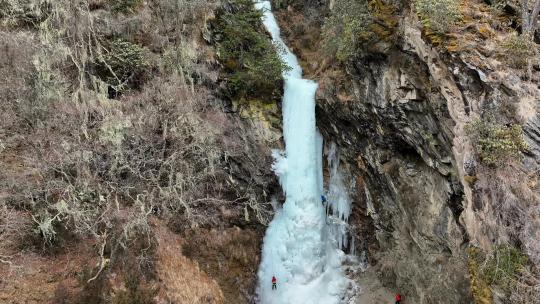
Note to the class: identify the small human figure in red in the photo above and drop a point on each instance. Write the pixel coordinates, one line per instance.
(274, 283)
(398, 299)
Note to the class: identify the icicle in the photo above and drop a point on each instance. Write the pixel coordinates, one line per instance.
(338, 197)
(353, 246)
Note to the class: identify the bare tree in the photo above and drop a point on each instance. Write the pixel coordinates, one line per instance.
(529, 19)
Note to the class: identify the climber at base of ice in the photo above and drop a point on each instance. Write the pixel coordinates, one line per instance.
(398, 299)
(274, 283)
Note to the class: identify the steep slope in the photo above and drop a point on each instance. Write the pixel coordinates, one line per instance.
(128, 173)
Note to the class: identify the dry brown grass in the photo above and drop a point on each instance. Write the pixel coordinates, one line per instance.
(35, 278)
(230, 256)
(14, 231)
(509, 212)
(181, 279)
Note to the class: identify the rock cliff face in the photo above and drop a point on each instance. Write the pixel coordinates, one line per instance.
(397, 133)
(399, 115)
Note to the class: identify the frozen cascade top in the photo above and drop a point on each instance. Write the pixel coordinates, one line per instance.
(299, 249)
(271, 25)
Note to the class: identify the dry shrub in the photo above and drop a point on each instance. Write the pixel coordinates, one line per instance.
(172, 13)
(497, 144)
(86, 168)
(102, 152)
(438, 15)
(510, 215)
(225, 254)
(518, 50)
(15, 229)
(135, 292)
(79, 51)
(530, 235)
(93, 292)
(507, 194)
(527, 288)
(124, 6)
(27, 13)
(18, 105)
(347, 28)
(170, 149)
(186, 161)
(156, 152)
(122, 64)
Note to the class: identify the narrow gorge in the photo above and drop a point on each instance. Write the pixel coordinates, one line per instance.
(199, 151)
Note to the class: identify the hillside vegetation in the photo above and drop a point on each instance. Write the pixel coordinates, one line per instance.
(115, 118)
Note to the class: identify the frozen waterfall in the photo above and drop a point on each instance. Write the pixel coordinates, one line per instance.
(303, 247)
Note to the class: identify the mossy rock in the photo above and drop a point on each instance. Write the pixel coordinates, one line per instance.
(268, 114)
(470, 179)
(386, 19)
(453, 46)
(485, 31)
(480, 289)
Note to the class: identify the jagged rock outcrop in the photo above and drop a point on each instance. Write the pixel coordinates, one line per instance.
(399, 133)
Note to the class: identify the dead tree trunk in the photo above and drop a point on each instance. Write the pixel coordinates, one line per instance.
(529, 18)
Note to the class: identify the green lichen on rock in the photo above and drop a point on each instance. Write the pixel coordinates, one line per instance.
(268, 113)
(480, 289)
(265, 117)
(386, 19)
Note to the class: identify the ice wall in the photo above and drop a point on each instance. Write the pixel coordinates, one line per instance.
(300, 249)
